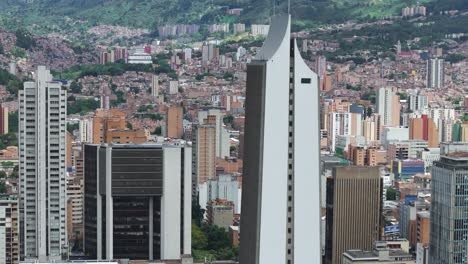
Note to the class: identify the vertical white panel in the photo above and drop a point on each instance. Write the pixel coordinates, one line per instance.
(275, 144)
(307, 247)
(187, 202)
(170, 204)
(109, 206)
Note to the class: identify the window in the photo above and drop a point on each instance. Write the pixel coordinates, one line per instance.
(305, 80)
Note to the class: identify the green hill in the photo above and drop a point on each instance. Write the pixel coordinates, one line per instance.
(151, 13)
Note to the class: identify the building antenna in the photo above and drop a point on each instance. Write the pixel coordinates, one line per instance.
(274, 7)
(289, 7)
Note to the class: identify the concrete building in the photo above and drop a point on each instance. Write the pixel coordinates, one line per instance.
(86, 130)
(110, 126)
(449, 200)
(354, 197)
(220, 213)
(260, 30)
(435, 73)
(4, 120)
(173, 87)
(136, 206)
(175, 115)
(155, 86)
(405, 149)
(224, 187)
(215, 117)
(42, 167)
(424, 128)
(9, 230)
(342, 124)
(75, 195)
(388, 106)
(390, 134)
(139, 55)
(417, 102)
(429, 155)
(204, 150)
(281, 194)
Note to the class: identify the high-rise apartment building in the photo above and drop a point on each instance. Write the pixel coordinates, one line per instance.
(281, 194)
(417, 102)
(435, 73)
(3, 120)
(42, 168)
(354, 204)
(155, 86)
(137, 201)
(175, 116)
(388, 106)
(342, 124)
(215, 116)
(449, 200)
(204, 150)
(9, 230)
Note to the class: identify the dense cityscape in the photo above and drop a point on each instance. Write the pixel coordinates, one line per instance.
(233, 138)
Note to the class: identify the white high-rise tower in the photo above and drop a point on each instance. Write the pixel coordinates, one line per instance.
(42, 152)
(281, 197)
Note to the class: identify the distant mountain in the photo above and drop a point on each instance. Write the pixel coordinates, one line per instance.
(150, 13)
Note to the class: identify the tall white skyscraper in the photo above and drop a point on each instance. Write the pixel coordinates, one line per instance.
(280, 200)
(435, 73)
(42, 152)
(388, 106)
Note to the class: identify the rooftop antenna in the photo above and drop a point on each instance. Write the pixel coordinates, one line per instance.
(274, 7)
(289, 7)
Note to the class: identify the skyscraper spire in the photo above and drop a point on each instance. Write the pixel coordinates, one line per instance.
(280, 199)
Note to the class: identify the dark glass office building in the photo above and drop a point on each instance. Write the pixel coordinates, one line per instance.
(136, 203)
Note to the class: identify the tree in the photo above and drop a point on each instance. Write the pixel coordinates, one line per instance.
(3, 188)
(228, 119)
(13, 122)
(157, 131)
(76, 87)
(3, 175)
(199, 239)
(24, 39)
(2, 51)
(369, 111)
(129, 125)
(391, 194)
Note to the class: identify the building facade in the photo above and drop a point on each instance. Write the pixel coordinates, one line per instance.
(354, 205)
(137, 202)
(449, 222)
(9, 230)
(42, 167)
(281, 194)
(435, 73)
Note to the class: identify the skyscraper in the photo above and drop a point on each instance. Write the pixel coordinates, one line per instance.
(353, 210)
(138, 201)
(435, 73)
(174, 122)
(3, 120)
(449, 222)
(204, 148)
(42, 151)
(388, 106)
(214, 116)
(280, 201)
(155, 86)
(9, 242)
